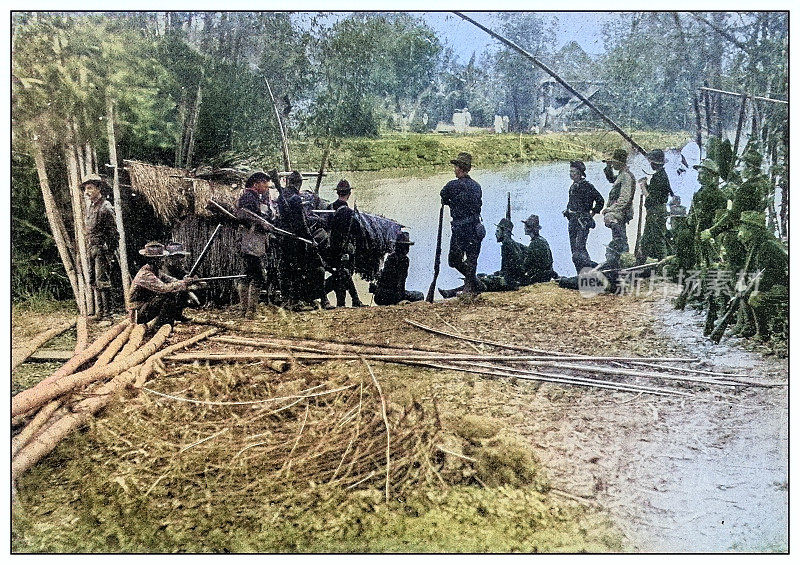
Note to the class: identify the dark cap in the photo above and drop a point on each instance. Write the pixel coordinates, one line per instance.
(153, 249)
(92, 179)
(463, 161)
(505, 224)
(256, 178)
(656, 156)
(343, 187)
(403, 239)
(578, 165)
(532, 222)
(295, 179)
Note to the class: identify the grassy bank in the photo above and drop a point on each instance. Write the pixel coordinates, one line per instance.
(428, 151)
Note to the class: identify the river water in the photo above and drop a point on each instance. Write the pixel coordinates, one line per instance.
(413, 200)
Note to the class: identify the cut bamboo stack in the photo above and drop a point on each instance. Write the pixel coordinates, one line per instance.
(84, 385)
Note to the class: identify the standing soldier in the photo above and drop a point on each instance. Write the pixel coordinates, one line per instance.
(538, 257)
(103, 240)
(302, 265)
(463, 196)
(341, 249)
(654, 236)
(619, 210)
(584, 202)
(253, 241)
(705, 203)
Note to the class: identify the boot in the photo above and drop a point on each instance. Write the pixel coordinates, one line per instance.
(450, 293)
(253, 294)
(351, 288)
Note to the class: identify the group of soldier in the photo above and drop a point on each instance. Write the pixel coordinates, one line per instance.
(725, 229)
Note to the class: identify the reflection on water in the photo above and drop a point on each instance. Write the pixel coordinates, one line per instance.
(535, 189)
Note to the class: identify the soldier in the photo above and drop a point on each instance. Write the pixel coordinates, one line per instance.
(584, 202)
(538, 257)
(102, 241)
(154, 294)
(390, 287)
(302, 265)
(654, 236)
(512, 264)
(253, 240)
(619, 210)
(341, 250)
(769, 301)
(463, 195)
(705, 204)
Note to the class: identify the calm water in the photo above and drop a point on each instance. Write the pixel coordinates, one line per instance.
(413, 200)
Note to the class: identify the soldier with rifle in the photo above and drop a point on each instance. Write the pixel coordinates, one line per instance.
(657, 192)
(253, 240)
(302, 265)
(154, 294)
(464, 197)
(340, 251)
(538, 263)
(102, 242)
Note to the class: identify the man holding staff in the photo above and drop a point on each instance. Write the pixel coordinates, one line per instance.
(463, 196)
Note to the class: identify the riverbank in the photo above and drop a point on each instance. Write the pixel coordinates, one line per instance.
(430, 151)
(586, 472)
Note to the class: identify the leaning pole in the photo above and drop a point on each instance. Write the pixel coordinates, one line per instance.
(558, 79)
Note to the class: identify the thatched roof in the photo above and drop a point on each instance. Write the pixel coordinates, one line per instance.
(176, 193)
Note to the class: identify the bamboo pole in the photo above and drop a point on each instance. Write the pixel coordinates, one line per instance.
(82, 256)
(739, 125)
(287, 164)
(42, 416)
(707, 106)
(261, 356)
(123, 246)
(56, 221)
(743, 94)
(698, 122)
(82, 334)
(114, 347)
(325, 155)
(134, 341)
(558, 79)
(195, 117)
(559, 354)
(37, 341)
(39, 395)
(87, 354)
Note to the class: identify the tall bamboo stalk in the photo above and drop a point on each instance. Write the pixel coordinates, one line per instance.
(112, 153)
(284, 141)
(182, 119)
(698, 122)
(198, 100)
(82, 257)
(56, 221)
(739, 125)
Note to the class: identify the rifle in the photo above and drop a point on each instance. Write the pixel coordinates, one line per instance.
(204, 252)
(278, 230)
(437, 260)
(639, 225)
(508, 208)
(222, 278)
(733, 306)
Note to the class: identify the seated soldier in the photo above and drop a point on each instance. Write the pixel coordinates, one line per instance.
(512, 264)
(538, 257)
(390, 287)
(155, 295)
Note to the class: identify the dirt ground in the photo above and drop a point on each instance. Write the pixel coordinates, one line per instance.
(706, 473)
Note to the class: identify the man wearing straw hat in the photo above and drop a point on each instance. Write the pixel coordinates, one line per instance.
(463, 196)
(102, 241)
(154, 294)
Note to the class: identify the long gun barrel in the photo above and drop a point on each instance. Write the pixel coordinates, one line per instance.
(279, 230)
(204, 252)
(508, 208)
(223, 278)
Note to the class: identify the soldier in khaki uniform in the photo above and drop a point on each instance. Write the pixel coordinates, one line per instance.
(102, 242)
